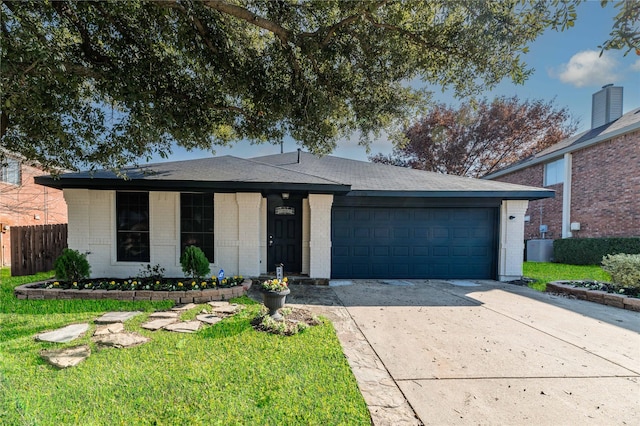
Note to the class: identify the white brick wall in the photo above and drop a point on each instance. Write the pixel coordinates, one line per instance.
(320, 235)
(306, 235)
(511, 251)
(239, 227)
(249, 234)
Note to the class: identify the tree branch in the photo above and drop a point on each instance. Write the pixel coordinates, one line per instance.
(173, 4)
(250, 17)
(92, 54)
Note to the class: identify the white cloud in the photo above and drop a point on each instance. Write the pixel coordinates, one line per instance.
(636, 66)
(588, 68)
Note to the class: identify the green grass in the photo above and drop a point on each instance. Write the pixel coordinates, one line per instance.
(546, 272)
(227, 374)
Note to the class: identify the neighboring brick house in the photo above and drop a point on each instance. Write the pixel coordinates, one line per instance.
(596, 176)
(23, 203)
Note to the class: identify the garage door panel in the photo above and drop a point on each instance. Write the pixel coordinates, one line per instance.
(420, 232)
(401, 233)
(441, 251)
(376, 242)
(361, 251)
(441, 233)
(401, 251)
(362, 215)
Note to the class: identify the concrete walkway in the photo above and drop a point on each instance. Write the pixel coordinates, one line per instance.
(439, 352)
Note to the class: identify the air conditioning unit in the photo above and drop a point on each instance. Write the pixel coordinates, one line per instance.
(539, 250)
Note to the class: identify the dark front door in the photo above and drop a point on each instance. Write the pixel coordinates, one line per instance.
(284, 233)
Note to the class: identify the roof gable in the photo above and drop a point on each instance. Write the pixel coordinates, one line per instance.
(629, 122)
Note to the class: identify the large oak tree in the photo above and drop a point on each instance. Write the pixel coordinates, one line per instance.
(479, 138)
(106, 83)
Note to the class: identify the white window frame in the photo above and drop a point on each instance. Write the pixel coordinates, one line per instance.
(554, 172)
(11, 172)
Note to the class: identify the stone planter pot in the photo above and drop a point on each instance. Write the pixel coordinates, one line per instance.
(274, 301)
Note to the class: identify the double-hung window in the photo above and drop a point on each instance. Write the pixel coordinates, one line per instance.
(554, 172)
(132, 211)
(196, 222)
(10, 171)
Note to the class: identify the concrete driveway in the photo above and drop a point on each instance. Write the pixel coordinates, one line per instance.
(482, 352)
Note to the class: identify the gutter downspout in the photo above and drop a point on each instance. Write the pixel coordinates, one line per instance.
(566, 197)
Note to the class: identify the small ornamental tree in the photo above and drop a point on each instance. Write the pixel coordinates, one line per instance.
(194, 262)
(72, 266)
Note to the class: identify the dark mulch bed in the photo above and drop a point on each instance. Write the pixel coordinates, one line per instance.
(608, 287)
(295, 320)
(162, 284)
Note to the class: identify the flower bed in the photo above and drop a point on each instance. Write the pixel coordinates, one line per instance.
(594, 292)
(178, 290)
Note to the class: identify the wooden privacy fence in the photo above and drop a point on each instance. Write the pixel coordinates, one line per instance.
(35, 248)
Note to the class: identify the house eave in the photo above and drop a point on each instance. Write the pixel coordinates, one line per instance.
(504, 195)
(189, 186)
(559, 153)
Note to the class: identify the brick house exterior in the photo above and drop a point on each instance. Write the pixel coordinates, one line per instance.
(598, 194)
(24, 203)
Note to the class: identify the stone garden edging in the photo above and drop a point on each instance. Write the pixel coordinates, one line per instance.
(27, 291)
(611, 299)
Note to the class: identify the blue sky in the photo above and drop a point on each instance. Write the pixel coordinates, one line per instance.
(567, 68)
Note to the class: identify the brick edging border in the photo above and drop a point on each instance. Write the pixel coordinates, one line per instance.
(611, 299)
(26, 291)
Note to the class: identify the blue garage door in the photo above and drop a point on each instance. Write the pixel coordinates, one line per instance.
(377, 242)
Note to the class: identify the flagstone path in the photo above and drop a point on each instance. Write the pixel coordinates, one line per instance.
(110, 331)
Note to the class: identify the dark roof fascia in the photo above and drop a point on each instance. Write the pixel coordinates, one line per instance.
(504, 195)
(187, 186)
(571, 148)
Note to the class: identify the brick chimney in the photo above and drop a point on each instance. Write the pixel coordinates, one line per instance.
(606, 105)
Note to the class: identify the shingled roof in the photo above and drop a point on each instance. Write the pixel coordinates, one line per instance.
(294, 171)
(629, 122)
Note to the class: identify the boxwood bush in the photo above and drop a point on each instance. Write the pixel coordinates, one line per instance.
(624, 269)
(590, 251)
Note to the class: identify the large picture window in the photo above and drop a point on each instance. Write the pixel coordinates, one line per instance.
(554, 172)
(132, 209)
(196, 222)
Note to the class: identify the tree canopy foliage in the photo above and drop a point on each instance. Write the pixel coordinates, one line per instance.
(477, 139)
(102, 84)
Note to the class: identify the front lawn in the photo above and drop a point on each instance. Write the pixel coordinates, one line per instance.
(544, 272)
(224, 374)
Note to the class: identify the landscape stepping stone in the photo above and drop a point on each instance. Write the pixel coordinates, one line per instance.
(67, 357)
(158, 323)
(121, 340)
(184, 307)
(184, 326)
(64, 334)
(227, 310)
(113, 328)
(217, 304)
(165, 314)
(111, 317)
(209, 318)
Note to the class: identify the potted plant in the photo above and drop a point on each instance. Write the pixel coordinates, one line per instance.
(274, 293)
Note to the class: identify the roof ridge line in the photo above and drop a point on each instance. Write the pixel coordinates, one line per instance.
(294, 171)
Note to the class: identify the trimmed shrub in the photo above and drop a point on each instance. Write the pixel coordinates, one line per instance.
(624, 269)
(72, 266)
(590, 251)
(194, 262)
